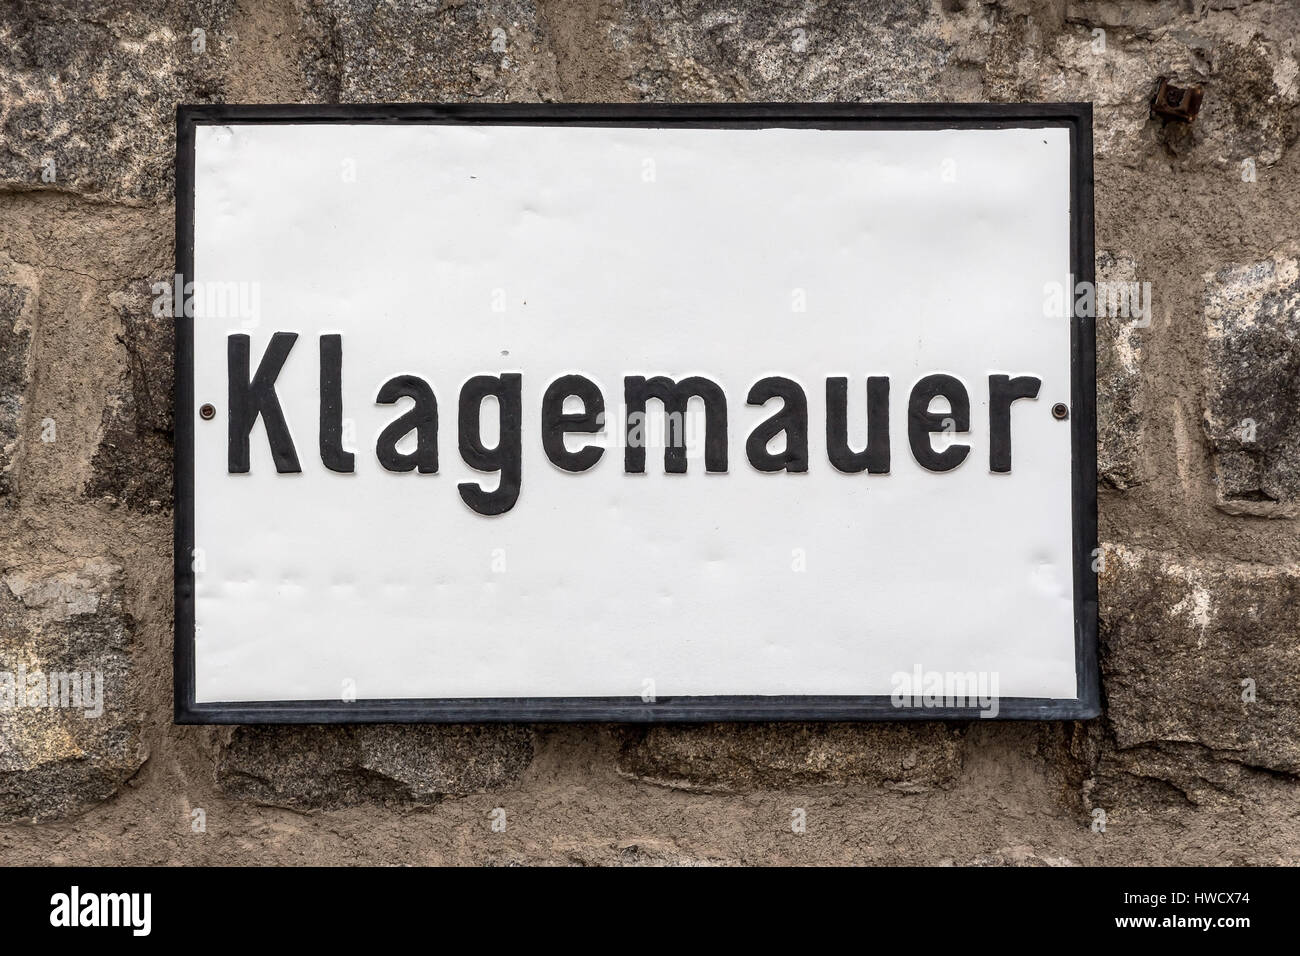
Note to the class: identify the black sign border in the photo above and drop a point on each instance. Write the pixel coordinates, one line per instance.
(1076, 117)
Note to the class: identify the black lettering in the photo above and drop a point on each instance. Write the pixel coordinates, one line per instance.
(422, 419)
(791, 419)
(921, 421)
(637, 390)
(506, 457)
(250, 398)
(331, 406)
(875, 457)
(1003, 390)
(556, 423)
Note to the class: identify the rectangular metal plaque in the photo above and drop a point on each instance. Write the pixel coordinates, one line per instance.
(637, 413)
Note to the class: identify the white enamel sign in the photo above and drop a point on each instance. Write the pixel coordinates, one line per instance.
(634, 413)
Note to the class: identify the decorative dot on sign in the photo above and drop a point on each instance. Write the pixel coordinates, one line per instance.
(1060, 411)
(207, 412)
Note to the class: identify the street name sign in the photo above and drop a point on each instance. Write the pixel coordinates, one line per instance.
(636, 413)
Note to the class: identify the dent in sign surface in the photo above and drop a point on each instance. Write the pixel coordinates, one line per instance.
(634, 251)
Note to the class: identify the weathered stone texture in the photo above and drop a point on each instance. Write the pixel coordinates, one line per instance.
(17, 305)
(1119, 375)
(322, 767)
(1182, 637)
(1110, 54)
(59, 760)
(1252, 315)
(759, 756)
(1166, 779)
(1017, 856)
(133, 462)
(413, 50)
(93, 90)
(791, 51)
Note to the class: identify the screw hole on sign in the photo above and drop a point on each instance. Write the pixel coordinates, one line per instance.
(1060, 411)
(207, 412)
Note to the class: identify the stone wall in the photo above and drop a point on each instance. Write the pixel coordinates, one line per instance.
(1197, 759)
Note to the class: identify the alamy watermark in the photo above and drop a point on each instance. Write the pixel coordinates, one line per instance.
(1115, 299)
(238, 300)
(977, 690)
(71, 690)
(130, 910)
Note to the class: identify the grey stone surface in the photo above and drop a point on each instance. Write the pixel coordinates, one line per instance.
(1170, 778)
(794, 51)
(93, 89)
(132, 464)
(57, 760)
(1252, 315)
(17, 305)
(756, 756)
(1182, 636)
(1119, 373)
(326, 767)
(413, 50)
